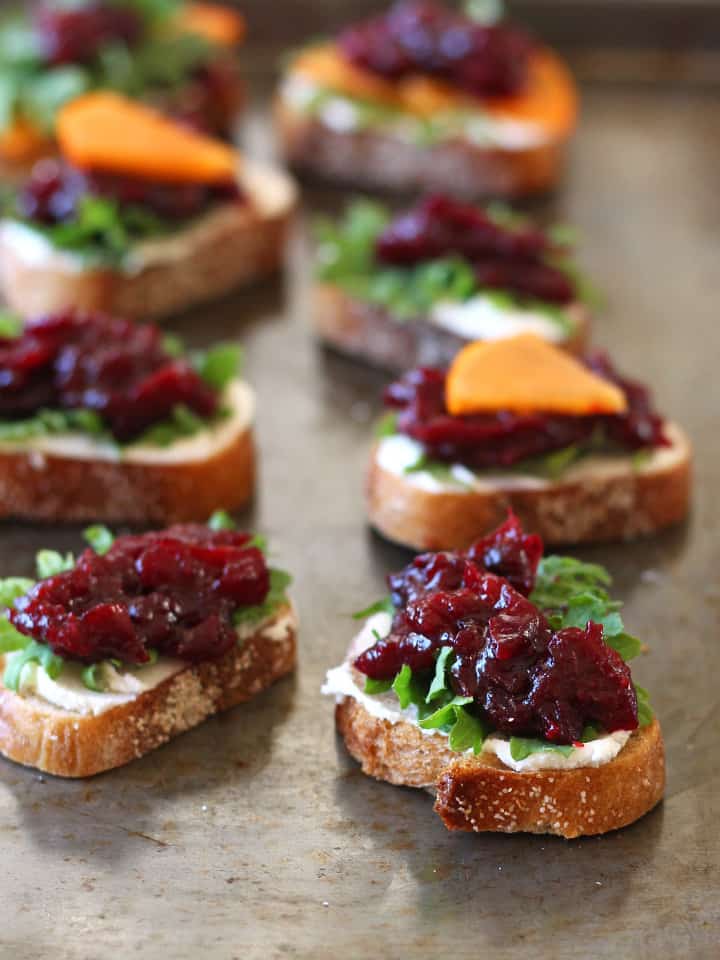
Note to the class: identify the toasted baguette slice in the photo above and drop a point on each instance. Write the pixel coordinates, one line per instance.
(73, 478)
(233, 245)
(373, 333)
(597, 499)
(68, 744)
(482, 794)
(378, 160)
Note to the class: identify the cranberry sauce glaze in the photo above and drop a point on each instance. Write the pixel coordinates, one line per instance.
(174, 591)
(502, 257)
(88, 361)
(503, 439)
(54, 191)
(525, 678)
(421, 36)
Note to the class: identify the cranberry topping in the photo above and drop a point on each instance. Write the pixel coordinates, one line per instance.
(421, 36)
(503, 439)
(174, 591)
(77, 34)
(117, 368)
(54, 190)
(503, 258)
(525, 678)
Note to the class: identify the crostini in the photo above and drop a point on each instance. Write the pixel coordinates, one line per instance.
(412, 289)
(141, 217)
(179, 57)
(424, 97)
(573, 447)
(498, 680)
(109, 656)
(103, 419)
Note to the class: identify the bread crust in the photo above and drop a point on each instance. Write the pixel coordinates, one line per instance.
(372, 159)
(241, 243)
(55, 488)
(592, 508)
(67, 744)
(481, 794)
(376, 335)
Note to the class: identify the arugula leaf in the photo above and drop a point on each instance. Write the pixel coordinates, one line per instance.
(92, 678)
(49, 422)
(221, 520)
(183, 423)
(385, 605)
(408, 688)
(280, 580)
(645, 711)
(560, 578)
(445, 715)
(46, 92)
(377, 686)
(641, 458)
(173, 346)
(467, 732)
(11, 324)
(386, 425)
(99, 537)
(10, 638)
(219, 365)
(522, 747)
(34, 652)
(13, 587)
(442, 472)
(439, 682)
(49, 563)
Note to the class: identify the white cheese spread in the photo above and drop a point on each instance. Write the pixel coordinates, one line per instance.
(341, 683)
(481, 318)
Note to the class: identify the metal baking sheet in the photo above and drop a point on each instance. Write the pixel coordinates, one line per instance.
(255, 835)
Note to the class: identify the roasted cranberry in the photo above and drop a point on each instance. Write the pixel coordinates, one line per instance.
(51, 193)
(424, 36)
(503, 439)
(115, 367)
(503, 258)
(76, 34)
(524, 678)
(174, 591)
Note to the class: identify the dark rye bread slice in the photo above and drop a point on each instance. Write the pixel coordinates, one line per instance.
(375, 334)
(590, 505)
(481, 794)
(378, 160)
(38, 485)
(66, 744)
(229, 247)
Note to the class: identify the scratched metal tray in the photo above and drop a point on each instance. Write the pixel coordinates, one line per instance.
(255, 836)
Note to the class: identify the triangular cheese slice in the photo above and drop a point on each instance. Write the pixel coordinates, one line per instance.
(525, 374)
(108, 133)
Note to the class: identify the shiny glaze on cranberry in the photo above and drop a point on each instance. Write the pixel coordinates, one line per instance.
(54, 190)
(422, 36)
(173, 591)
(77, 34)
(525, 678)
(87, 361)
(503, 258)
(504, 439)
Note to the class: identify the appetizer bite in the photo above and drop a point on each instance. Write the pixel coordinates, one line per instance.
(140, 217)
(499, 681)
(103, 419)
(424, 97)
(177, 56)
(412, 289)
(142, 637)
(573, 447)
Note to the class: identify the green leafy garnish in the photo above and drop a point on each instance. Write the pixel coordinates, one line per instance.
(645, 711)
(221, 520)
(522, 747)
(277, 597)
(50, 422)
(384, 605)
(92, 677)
(33, 652)
(219, 365)
(10, 325)
(377, 686)
(49, 563)
(468, 732)
(182, 424)
(407, 688)
(641, 458)
(99, 537)
(442, 472)
(439, 685)
(10, 638)
(13, 587)
(386, 425)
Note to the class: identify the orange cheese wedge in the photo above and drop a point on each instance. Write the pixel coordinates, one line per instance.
(550, 99)
(104, 131)
(21, 141)
(219, 25)
(525, 374)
